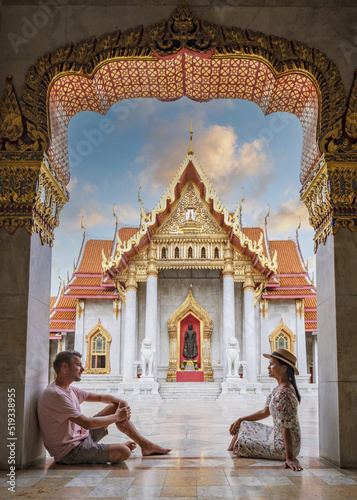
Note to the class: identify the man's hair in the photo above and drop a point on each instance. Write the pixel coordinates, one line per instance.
(65, 357)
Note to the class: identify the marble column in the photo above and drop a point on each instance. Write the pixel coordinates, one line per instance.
(228, 302)
(337, 347)
(25, 279)
(151, 303)
(264, 339)
(130, 325)
(301, 338)
(115, 343)
(315, 359)
(79, 340)
(249, 343)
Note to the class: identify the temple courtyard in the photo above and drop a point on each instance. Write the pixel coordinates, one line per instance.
(199, 467)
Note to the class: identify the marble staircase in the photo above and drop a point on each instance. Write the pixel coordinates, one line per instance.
(207, 391)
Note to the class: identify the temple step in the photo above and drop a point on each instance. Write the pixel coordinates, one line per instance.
(208, 391)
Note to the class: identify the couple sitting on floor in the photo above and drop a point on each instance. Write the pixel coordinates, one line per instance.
(72, 438)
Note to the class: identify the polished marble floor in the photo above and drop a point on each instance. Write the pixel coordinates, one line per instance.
(199, 467)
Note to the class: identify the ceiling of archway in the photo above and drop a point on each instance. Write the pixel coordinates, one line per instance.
(185, 74)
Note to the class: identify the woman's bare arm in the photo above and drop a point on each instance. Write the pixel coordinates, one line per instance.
(259, 415)
(290, 462)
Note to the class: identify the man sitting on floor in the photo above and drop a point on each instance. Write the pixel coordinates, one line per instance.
(71, 437)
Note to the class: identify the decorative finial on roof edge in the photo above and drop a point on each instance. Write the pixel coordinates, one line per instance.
(82, 226)
(115, 215)
(190, 147)
(298, 246)
(266, 232)
(241, 210)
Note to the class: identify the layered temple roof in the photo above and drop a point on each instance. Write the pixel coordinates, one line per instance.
(100, 262)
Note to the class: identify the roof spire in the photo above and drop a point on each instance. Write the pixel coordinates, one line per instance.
(241, 210)
(82, 226)
(266, 232)
(190, 148)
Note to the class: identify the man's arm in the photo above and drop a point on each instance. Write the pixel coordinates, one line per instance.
(121, 414)
(104, 398)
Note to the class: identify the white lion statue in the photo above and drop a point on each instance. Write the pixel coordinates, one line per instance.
(232, 350)
(147, 358)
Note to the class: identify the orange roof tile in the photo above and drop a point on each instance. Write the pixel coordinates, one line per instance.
(52, 302)
(62, 326)
(310, 315)
(96, 281)
(89, 291)
(64, 315)
(310, 326)
(254, 233)
(279, 291)
(288, 258)
(294, 281)
(91, 261)
(125, 233)
(310, 303)
(66, 303)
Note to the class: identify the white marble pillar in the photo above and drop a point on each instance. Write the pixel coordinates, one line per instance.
(79, 340)
(115, 343)
(130, 326)
(249, 343)
(64, 341)
(228, 303)
(264, 339)
(315, 359)
(151, 302)
(301, 338)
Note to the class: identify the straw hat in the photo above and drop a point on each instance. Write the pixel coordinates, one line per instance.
(285, 356)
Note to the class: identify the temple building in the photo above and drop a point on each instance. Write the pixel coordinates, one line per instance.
(189, 296)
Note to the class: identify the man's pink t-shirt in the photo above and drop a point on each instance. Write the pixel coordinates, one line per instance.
(55, 407)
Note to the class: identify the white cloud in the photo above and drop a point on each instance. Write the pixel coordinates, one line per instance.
(89, 188)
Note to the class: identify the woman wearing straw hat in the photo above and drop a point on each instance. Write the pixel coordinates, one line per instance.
(283, 440)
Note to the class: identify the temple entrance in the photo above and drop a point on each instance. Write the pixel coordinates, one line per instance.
(190, 329)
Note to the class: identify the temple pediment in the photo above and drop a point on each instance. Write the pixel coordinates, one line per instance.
(190, 216)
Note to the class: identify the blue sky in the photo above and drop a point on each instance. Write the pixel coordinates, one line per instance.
(142, 142)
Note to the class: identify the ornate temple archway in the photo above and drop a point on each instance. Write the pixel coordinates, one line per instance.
(181, 56)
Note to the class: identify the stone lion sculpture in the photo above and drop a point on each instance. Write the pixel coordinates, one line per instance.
(232, 350)
(147, 358)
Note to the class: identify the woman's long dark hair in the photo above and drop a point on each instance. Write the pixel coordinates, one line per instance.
(291, 376)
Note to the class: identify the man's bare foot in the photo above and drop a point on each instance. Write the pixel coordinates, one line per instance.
(153, 449)
(130, 444)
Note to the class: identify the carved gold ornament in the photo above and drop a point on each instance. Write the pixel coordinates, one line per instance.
(190, 305)
(31, 196)
(282, 331)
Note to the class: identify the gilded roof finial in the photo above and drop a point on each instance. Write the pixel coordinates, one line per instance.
(74, 265)
(59, 277)
(240, 210)
(190, 148)
(115, 215)
(267, 215)
(82, 226)
(299, 226)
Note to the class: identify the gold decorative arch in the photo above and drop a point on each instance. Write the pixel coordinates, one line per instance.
(183, 55)
(89, 337)
(288, 334)
(190, 305)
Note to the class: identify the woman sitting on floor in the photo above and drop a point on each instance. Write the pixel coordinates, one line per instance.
(281, 442)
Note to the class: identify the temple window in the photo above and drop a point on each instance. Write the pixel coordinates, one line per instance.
(177, 253)
(282, 338)
(216, 253)
(98, 351)
(190, 253)
(203, 253)
(163, 253)
(98, 344)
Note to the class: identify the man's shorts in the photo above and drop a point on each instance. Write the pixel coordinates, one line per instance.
(89, 451)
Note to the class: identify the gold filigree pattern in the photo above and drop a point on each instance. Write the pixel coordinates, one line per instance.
(91, 352)
(31, 196)
(190, 216)
(287, 333)
(192, 44)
